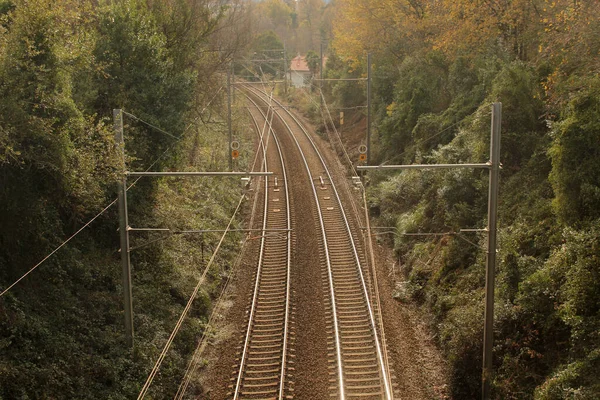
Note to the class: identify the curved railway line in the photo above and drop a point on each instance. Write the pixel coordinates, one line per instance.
(263, 363)
(358, 364)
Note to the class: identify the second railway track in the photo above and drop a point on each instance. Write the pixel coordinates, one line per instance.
(263, 362)
(357, 360)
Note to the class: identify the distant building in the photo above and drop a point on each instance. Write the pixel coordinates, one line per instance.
(299, 74)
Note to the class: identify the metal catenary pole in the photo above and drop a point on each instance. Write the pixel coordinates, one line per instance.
(368, 108)
(321, 74)
(229, 118)
(124, 231)
(233, 81)
(488, 330)
(285, 73)
(124, 227)
(494, 167)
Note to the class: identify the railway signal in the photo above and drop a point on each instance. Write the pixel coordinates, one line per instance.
(362, 150)
(234, 145)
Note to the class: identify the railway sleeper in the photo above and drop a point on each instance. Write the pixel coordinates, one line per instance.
(270, 290)
(256, 360)
(355, 338)
(267, 371)
(352, 311)
(275, 279)
(361, 373)
(349, 272)
(263, 328)
(250, 365)
(258, 352)
(269, 304)
(351, 356)
(350, 302)
(362, 364)
(260, 333)
(363, 380)
(349, 322)
(258, 379)
(350, 346)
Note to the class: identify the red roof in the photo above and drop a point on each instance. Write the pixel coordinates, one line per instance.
(299, 64)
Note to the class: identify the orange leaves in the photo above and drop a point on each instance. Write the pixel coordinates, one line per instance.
(456, 27)
(389, 26)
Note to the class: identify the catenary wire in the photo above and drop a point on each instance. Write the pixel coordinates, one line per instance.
(108, 206)
(187, 308)
(193, 363)
(152, 126)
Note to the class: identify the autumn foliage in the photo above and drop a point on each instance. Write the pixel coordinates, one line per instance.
(438, 65)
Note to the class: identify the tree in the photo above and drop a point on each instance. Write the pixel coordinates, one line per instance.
(268, 51)
(313, 60)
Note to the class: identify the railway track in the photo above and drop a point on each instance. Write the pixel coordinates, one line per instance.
(263, 362)
(357, 362)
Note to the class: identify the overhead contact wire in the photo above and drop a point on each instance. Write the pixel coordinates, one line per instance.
(108, 206)
(167, 346)
(195, 358)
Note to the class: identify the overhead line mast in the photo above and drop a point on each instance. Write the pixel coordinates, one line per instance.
(124, 227)
(494, 167)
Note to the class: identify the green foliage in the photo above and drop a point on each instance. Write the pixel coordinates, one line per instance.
(573, 381)
(64, 66)
(139, 75)
(57, 161)
(266, 46)
(418, 90)
(547, 305)
(575, 154)
(345, 94)
(313, 60)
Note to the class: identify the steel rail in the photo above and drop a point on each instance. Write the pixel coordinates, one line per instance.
(251, 323)
(329, 268)
(238, 384)
(382, 365)
(193, 364)
(237, 390)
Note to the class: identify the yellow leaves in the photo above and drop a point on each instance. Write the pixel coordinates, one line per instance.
(391, 108)
(376, 26)
(463, 27)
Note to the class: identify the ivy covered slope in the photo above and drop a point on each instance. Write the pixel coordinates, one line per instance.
(64, 65)
(438, 66)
